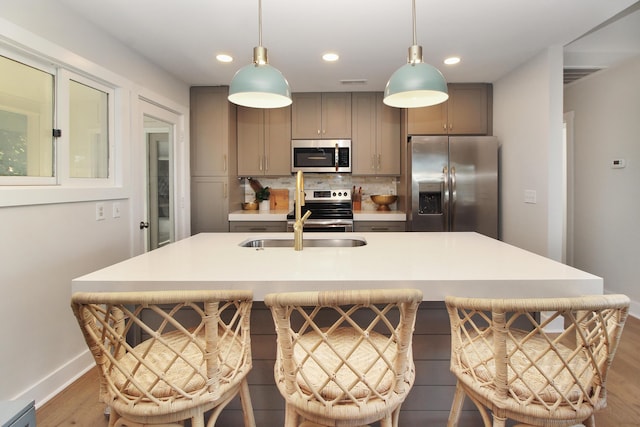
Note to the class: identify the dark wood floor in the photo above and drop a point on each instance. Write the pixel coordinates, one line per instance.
(78, 404)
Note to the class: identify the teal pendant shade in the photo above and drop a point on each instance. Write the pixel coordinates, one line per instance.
(260, 86)
(416, 85)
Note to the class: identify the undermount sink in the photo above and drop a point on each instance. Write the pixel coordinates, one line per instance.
(334, 242)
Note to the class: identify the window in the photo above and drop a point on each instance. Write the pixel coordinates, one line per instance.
(35, 104)
(88, 132)
(26, 123)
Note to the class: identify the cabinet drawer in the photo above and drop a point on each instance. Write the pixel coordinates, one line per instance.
(257, 226)
(378, 226)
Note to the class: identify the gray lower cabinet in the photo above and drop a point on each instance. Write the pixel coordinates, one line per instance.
(257, 226)
(378, 226)
(427, 404)
(17, 413)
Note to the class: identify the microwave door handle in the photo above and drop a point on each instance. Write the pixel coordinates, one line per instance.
(336, 157)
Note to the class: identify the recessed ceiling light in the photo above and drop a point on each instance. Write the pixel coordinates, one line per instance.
(224, 58)
(330, 57)
(452, 60)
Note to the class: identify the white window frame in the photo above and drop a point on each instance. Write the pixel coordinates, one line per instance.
(63, 123)
(23, 191)
(52, 70)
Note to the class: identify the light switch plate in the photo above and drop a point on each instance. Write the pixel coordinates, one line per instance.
(116, 210)
(530, 196)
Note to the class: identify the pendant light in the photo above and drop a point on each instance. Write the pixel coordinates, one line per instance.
(415, 84)
(259, 85)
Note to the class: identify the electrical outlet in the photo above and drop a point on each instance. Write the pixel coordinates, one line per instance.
(116, 209)
(100, 211)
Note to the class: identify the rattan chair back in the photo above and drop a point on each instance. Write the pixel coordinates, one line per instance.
(536, 361)
(194, 356)
(344, 358)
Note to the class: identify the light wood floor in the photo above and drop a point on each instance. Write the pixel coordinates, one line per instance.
(78, 404)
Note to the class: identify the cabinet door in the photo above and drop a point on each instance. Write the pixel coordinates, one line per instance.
(468, 109)
(306, 115)
(277, 141)
(209, 204)
(363, 143)
(388, 138)
(466, 112)
(209, 131)
(251, 156)
(427, 120)
(336, 115)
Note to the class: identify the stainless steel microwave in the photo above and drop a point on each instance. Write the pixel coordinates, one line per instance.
(321, 155)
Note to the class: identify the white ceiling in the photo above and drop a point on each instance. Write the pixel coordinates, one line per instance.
(371, 36)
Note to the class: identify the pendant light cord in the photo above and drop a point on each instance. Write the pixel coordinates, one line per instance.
(415, 36)
(260, 22)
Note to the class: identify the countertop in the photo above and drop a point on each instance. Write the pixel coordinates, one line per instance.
(281, 215)
(440, 264)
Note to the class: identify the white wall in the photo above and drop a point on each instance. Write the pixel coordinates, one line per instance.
(44, 246)
(527, 119)
(607, 201)
(53, 21)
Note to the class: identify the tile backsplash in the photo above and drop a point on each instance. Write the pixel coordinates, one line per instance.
(370, 185)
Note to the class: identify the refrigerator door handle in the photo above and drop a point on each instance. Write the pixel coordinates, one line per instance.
(454, 197)
(445, 205)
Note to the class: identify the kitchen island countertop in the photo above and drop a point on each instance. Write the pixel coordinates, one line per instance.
(440, 264)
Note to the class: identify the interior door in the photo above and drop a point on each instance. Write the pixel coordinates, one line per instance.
(159, 223)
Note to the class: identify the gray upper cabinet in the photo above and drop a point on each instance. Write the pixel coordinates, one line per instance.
(466, 112)
(375, 135)
(264, 141)
(211, 117)
(323, 115)
(213, 159)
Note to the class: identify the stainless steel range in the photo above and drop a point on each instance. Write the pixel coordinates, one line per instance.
(331, 210)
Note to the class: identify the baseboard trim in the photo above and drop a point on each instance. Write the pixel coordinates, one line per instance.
(59, 379)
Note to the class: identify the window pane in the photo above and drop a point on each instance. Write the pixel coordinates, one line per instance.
(89, 132)
(26, 120)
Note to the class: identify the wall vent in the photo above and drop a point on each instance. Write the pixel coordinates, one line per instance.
(573, 74)
(354, 81)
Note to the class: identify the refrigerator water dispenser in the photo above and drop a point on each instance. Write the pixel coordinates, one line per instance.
(430, 199)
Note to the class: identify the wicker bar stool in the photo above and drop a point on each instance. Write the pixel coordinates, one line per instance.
(536, 372)
(344, 358)
(181, 370)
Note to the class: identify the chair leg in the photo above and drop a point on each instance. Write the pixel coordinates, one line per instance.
(247, 407)
(395, 417)
(290, 416)
(486, 419)
(456, 406)
(387, 421)
(197, 420)
(499, 421)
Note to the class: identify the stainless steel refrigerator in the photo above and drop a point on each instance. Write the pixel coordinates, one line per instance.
(454, 184)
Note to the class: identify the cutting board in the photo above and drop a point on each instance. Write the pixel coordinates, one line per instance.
(279, 199)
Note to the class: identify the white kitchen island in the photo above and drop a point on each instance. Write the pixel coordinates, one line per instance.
(439, 264)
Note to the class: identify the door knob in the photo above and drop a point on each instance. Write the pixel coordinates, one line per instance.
(143, 225)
